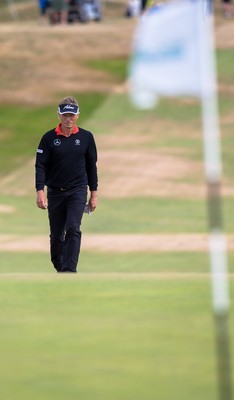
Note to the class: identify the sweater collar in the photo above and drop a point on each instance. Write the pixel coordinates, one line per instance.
(59, 132)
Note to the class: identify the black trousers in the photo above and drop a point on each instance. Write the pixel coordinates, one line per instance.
(65, 211)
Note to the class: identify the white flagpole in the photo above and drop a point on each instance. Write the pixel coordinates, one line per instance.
(213, 168)
(213, 172)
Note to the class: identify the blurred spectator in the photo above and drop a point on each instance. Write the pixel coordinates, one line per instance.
(143, 5)
(44, 6)
(138, 7)
(84, 11)
(227, 8)
(59, 11)
(92, 9)
(134, 8)
(69, 11)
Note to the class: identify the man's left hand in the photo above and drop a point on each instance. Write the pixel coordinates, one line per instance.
(93, 201)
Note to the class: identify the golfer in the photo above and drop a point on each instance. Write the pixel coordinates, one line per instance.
(66, 163)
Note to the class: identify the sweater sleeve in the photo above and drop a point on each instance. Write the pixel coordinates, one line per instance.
(42, 160)
(91, 164)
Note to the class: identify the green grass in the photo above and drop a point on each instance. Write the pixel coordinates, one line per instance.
(148, 215)
(117, 68)
(114, 216)
(119, 216)
(225, 59)
(19, 136)
(106, 339)
(101, 262)
(111, 262)
(119, 109)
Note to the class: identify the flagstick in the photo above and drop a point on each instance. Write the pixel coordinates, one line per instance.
(217, 240)
(148, 79)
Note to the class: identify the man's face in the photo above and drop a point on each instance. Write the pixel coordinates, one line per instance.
(68, 120)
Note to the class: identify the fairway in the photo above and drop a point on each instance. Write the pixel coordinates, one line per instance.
(106, 336)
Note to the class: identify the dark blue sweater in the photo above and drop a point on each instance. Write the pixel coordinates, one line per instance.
(66, 161)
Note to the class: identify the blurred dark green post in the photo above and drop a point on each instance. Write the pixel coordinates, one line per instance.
(221, 314)
(223, 356)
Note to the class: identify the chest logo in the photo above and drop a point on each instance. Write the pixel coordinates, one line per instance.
(77, 142)
(57, 142)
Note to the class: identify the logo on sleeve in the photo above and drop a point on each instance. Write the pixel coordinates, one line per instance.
(39, 151)
(57, 142)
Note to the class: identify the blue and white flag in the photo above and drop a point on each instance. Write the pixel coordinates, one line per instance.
(171, 53)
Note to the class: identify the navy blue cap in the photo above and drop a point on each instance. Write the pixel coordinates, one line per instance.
(68, 108)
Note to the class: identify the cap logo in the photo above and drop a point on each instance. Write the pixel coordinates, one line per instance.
(68, 108)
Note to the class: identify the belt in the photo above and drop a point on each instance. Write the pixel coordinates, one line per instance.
(62, 189)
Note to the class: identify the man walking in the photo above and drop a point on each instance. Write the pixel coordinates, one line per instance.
(66, 163)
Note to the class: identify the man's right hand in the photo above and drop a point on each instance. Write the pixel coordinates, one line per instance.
(41, 200)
